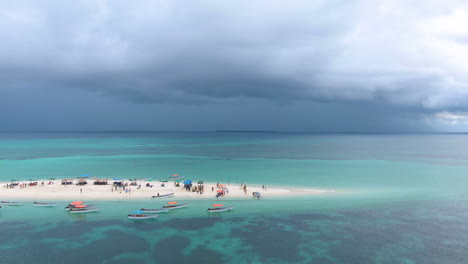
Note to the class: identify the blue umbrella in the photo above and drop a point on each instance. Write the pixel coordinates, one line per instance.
(116, 179)
(188, 182)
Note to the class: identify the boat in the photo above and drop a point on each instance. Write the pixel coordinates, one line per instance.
(44, 204)
(217, 208)
(154, 211)
(163, 196)
(176, 177)
(174, 205)
(73, 204)
(256, 195)
(82, 209)
(10, 203)
(139, 215)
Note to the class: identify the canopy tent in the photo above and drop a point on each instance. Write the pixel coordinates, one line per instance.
(171, 202)
(77, 203)
(218, 205)
(188, 182)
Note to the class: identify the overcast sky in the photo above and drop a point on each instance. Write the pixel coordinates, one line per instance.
(334, 66)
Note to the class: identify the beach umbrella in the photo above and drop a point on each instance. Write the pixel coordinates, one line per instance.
(117, 179)
(171, 202)
(188, 182)
(200, 182)
(218, 205)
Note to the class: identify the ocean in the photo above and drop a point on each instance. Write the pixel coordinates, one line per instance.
(399, 198)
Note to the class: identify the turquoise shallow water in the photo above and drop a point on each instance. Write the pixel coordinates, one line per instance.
(399, 199)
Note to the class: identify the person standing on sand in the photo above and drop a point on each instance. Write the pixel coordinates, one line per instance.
(81, 190)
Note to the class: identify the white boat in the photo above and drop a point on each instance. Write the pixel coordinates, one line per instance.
(220, 209)
(10, 203)
(154, 211)
(142, 216)
(44, 204)
(82, 211)
(163, 196)
(175, 206)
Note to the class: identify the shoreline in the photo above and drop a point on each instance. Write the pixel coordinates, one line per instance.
(57, 191)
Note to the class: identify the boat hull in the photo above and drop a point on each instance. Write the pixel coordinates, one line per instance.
(162, 196)
(132, 217)
(11, 204)
(84, 211)
(44, 205)
(221, 209)
(176, 207)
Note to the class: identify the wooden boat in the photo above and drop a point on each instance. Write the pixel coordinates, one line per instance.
(163, 196)
(44, 204)
(174, 205)
(10, 203)
(154, 211)
(217, 208)
(140, 216)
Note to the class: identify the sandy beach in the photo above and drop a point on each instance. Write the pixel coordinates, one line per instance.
(56, 191)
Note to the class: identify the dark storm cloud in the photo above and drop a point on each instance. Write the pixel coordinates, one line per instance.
(404, 61)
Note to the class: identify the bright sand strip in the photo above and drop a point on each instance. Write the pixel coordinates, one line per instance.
(57, 191)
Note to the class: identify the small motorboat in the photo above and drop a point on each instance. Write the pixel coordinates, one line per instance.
(217, 208)
(81, 208)
(174, 205)
(154, 211)
(163, 196)
(139, 215)
(256, 195)
(44, 204)
(176, 177)
(10, 203)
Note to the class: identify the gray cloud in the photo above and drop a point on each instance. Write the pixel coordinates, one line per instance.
(408, 57)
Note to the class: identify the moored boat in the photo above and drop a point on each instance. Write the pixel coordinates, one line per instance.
(44, 204)
(10, 203)
(82, 209)
(154, 211)
(217, 208)
(174, 205)
(163, 196)
(139, 215)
